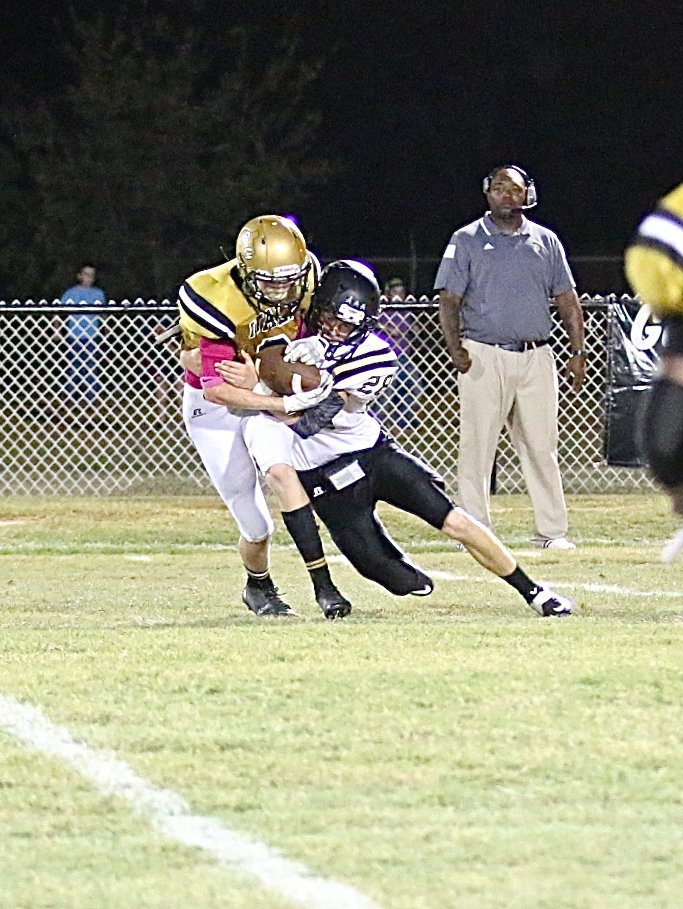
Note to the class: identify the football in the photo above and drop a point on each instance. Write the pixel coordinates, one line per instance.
(278, 375)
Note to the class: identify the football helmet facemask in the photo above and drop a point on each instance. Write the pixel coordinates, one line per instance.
(347, 293)
(273, 263)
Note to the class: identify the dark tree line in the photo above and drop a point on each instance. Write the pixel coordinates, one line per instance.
(157, 139)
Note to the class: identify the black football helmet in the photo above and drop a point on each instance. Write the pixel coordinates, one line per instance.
(347, 290)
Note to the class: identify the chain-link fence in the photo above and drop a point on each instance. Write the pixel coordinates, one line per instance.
(92, 404)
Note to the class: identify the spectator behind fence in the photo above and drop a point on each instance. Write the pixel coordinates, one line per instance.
(83, 335)
(495, 281)
(395, 289)
(654, 267)
(401, 327)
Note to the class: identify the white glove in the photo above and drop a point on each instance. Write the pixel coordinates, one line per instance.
(302, 400)
(309, 351)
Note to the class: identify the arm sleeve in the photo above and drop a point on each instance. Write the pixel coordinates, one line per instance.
(212, 352)
(454, 271)
(561, 279)
(321, 415)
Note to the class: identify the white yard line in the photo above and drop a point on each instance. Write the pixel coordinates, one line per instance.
(622, 591)
(172, 816)
(562, 585)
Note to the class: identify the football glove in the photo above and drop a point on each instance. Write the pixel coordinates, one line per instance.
(309, 351)
(302, 400)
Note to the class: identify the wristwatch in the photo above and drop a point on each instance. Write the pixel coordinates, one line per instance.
(580, 352)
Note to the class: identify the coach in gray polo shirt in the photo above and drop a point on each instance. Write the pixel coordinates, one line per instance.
(495, 282)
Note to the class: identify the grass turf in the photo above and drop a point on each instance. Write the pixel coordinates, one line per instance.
(440, 752)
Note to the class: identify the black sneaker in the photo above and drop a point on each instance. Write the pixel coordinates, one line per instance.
(332, 603)
(265, 600)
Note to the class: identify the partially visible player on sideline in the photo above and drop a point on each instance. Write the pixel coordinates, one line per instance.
(654, 267)
(236, 308)
(347, 464)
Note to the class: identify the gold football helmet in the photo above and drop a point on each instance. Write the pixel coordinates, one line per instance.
(273, 263)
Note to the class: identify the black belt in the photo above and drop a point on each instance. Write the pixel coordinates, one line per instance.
(517, 346)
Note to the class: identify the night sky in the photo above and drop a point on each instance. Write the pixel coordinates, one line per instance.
(421, 99)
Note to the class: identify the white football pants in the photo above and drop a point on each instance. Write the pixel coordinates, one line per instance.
(269, 441)
(218, 437)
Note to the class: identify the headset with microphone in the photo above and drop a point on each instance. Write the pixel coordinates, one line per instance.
(531, 197)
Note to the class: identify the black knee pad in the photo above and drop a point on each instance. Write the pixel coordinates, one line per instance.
(663, 432)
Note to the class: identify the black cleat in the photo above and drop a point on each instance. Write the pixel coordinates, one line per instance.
(265, 600)
(332, 603)
(424, 590)
(423, 584)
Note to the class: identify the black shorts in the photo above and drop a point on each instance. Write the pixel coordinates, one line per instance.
(390, 475)
(344, 494)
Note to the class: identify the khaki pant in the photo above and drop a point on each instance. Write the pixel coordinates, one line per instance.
(517, 391)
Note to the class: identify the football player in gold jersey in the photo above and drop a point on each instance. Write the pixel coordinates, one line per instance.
(654, 267)
(240, 307)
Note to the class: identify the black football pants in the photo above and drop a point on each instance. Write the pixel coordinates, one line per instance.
(390, 475)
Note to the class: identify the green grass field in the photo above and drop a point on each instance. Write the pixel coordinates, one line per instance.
(454, 752)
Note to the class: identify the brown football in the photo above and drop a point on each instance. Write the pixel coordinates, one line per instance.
(278, 375)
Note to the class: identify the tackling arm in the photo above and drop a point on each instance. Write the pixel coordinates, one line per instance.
(227, 392)
(244, 399)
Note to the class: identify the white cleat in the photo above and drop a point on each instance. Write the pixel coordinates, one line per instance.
(559, 543)
(548, 603)
(674, 547)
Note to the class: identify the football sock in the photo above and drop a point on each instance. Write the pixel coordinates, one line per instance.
(260, 579)
(304, 531)
(522, 584)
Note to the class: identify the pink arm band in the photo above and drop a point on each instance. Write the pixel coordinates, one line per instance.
(213, 352)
